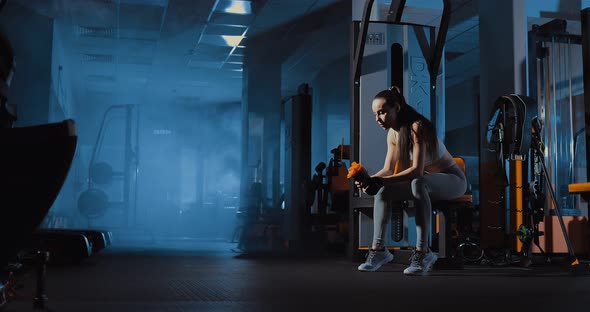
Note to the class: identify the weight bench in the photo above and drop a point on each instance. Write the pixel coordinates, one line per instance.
(446, 216)
(98, 239)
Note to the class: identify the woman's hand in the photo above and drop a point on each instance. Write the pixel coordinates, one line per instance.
(370, 186)
(360, 185)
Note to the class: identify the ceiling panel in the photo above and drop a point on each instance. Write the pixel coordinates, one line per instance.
(235, 58)
(161, 3)
(215, 40)
(232, 66)
(204, 52)
(153, 44)
(228, 30)
(231, 19)
(183, 15)
(134, 33)
(195, 63)
(140, 16)
(135, 60)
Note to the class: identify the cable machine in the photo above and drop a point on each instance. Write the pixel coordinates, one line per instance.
(559, 92)
(389, 53)
(546, 124)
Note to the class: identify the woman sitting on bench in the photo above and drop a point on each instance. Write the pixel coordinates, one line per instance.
(426, 171)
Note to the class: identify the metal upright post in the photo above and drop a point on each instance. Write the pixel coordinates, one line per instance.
(586, 65)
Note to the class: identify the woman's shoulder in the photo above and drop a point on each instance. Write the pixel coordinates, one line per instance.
(416, 125)
(416, 128)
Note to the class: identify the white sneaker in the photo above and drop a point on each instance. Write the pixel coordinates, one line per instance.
(421, 263)
(375, 259)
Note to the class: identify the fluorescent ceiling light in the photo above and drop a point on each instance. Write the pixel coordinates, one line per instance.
(238, 7)
(233, 41)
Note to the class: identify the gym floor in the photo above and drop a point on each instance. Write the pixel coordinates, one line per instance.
(210, 277)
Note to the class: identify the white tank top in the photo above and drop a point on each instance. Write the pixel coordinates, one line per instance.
(440, 152)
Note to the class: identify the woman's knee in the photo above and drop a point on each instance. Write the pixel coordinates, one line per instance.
(380, 196)
(418, 187)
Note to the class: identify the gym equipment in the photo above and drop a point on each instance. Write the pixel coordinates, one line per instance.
(40, 299)
(553, 83)
(97, 239)
(506, 133)
(521, 196)
(320, 190)
(445, 224)
(526, 208)
(63, 246)
(583, 188)
(387, 53)
(338, 185)
(94, 202)
(35, 161)
(585, 17)
(297, 163)
(101, 173)
(506, 136)
(539, 147)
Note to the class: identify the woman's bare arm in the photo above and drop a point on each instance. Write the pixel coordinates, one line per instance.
(390, 157)
(418, 158)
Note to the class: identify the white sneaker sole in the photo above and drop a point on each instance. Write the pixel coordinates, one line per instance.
(385, 261)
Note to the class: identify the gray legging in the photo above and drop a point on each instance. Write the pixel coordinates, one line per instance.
(446, 185)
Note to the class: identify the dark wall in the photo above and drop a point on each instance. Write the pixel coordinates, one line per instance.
(462, 126)
(462, 121)
(31, 36)
(331, 115)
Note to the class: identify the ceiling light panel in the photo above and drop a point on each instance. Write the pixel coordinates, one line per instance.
(232, 41)
(228, 30)
(237, 7)
(227, 41)
(230, 19)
